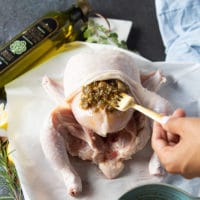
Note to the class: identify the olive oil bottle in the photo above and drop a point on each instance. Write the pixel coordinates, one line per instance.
(42, 39)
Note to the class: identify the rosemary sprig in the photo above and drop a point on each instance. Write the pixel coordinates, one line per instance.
(96, 33)
(10, 186)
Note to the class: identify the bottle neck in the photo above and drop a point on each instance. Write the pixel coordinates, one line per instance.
(74, 14)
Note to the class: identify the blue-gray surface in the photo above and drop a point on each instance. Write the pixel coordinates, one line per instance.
(15, 15)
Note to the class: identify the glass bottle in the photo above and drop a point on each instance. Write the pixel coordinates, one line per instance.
(41, 40)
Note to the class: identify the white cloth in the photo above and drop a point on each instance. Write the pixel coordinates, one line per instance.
(179, 23)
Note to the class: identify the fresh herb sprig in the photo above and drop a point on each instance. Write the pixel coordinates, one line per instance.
(96, 33)
(10, 186)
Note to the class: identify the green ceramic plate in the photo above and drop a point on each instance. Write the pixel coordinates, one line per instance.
(157, 192)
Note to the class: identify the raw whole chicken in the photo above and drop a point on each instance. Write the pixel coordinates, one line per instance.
(105, 138)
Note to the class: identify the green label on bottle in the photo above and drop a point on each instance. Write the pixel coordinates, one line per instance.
(26, 41)
(18, 47)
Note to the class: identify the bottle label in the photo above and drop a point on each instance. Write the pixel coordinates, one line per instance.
(26, 41)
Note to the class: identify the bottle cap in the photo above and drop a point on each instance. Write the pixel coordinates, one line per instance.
(84, 6)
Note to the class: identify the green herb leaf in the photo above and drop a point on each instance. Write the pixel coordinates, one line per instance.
(95, 33)
(10, 186)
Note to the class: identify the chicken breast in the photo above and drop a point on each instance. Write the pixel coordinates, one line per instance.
(105, 138)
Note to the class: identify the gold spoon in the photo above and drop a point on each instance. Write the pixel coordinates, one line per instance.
(126, 102)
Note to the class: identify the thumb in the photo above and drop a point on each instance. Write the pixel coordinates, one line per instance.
(175, 125)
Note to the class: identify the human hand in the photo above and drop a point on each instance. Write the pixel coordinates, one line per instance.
(177, 144)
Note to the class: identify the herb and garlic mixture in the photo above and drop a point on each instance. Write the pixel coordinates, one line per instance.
(102, 94)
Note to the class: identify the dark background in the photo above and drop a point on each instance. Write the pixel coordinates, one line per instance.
(145, 37)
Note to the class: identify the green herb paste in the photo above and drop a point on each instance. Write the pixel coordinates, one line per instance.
(102, 94)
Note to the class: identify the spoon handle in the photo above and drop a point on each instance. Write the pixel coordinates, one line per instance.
(152, 114)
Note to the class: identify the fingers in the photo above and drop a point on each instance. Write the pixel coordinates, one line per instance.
(159, 138)
(174, 124)
(175, 139)
(160, 143)
(179, 113)
(171, 137)
(163, 139)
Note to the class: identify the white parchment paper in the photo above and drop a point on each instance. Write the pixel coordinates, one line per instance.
(28, 107)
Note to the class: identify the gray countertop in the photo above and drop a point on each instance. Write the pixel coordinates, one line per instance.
(144, 37)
